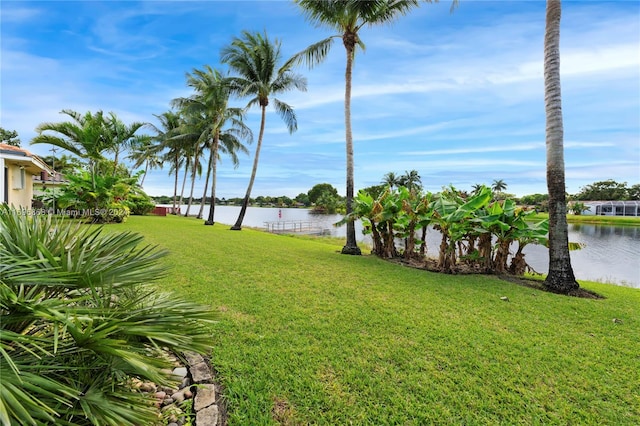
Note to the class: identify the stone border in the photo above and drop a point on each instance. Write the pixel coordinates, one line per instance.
(207, 404)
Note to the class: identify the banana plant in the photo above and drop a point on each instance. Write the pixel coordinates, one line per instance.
(453, 216)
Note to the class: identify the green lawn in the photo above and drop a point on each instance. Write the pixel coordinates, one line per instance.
(309, 336)
(598, 220)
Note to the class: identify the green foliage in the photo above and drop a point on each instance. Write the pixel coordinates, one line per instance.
(10, 137)
(634, 192)
(79, 320)
(375, 190)
(65, 164)
(303, 199)
(607, 190)
(467, 224)
(578, 208)
(325, 198)
(104, 198)
(139, 203)
(327, 203)
(539, 201)
(318, 190)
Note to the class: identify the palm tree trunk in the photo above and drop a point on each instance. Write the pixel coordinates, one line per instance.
(184, 181)
(115, 161)
(193, 183)
(560, 278)
(214, 168)
(351, 246)
(146, 169)
(175, 185)
(206, 185)
(245, 203)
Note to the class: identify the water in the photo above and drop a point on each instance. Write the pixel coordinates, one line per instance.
(611, 255)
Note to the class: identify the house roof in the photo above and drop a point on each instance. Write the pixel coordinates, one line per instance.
(31, 162)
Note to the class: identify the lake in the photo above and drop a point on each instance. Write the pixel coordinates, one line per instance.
(611, 255)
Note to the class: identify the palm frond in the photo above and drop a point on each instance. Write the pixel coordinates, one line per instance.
(312, 55)
(287, 114)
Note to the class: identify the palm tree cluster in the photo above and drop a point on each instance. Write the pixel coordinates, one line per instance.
(102, 183)
(205, 122)
(410, 180)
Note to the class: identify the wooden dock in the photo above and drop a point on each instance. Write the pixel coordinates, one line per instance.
(296, 226)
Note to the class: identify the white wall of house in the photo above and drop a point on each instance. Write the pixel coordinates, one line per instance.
(16, 177)
(19, 187)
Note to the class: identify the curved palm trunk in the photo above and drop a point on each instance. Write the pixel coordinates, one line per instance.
(560, 278)
(206, 185)
(146, 169)
(351, 246)
(184, 182)
(214, 167)
(245, 202)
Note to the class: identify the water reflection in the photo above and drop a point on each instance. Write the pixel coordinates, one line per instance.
(611, 255)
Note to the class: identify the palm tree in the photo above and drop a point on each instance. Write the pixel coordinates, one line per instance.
(169, 125)
(560, 278)
(192, 137)
(211, 102)
(391, 179)
(347, 17)
(498, 185)
(411, 180)
(122, 137)
(476, 187)
(85, 137)
(255, 60)
(145, 152)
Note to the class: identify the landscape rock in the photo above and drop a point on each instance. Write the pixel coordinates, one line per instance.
(201, 373)
(205, 396)
(208, 416)
(180, 372)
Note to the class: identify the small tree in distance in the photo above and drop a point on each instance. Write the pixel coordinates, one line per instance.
(10, 137)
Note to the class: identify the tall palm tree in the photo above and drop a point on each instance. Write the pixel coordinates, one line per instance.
(560, 278)
(347, 17)
(210, 100)
(255, 61)
(169, 125)
(191, 135)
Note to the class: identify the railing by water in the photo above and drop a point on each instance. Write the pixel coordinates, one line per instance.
(296, 226)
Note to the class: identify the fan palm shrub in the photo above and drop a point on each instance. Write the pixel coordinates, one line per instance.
(79, 321)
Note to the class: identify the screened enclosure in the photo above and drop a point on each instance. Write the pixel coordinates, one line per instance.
(613, 208)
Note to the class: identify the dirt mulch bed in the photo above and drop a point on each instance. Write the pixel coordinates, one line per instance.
(462, 269)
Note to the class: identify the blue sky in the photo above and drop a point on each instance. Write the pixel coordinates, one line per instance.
(456, 96)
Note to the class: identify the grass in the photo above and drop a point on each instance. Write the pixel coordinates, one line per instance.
(309, 336)
(601, 220)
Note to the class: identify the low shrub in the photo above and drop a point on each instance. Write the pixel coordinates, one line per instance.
(79, 322)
